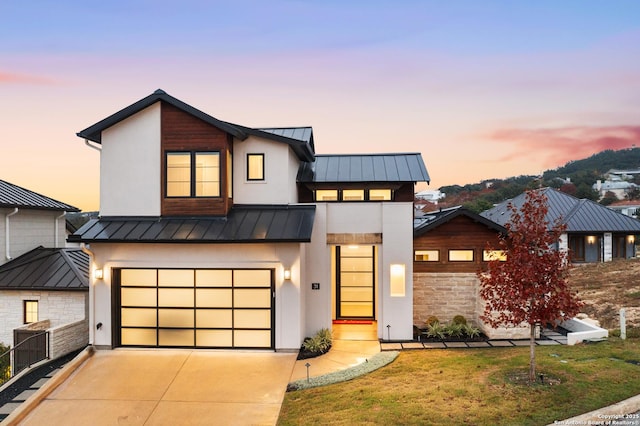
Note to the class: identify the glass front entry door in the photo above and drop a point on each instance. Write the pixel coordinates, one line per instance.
(355, 277)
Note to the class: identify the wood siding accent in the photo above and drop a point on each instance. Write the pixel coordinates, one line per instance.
(183, 132)
(460, 233)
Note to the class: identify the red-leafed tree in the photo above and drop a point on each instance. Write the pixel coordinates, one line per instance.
(530, 286)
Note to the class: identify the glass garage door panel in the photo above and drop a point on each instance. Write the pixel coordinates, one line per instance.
(223, 308)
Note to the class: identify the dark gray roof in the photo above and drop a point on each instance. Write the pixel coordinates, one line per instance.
(365, 168)
(579, 215)
(300, 139)
(47, 269)
(15, 196)
(243, 224)
(303, 149)
(436, 218)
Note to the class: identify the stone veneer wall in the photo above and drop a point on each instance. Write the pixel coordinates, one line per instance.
(67, 338)
(445, 295)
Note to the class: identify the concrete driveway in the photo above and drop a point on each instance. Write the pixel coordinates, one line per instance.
(169, 387)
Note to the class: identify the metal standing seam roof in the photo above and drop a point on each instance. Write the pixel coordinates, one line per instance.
(434, 219)
(304, 150)
(392, 167)
(579, 215)
(47, 269)
(243, 224)
(15, 196)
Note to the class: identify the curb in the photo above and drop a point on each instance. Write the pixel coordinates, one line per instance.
(34, 400)
(612, 413)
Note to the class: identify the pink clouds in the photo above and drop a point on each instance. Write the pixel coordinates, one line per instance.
(554, 147)
(13, 78)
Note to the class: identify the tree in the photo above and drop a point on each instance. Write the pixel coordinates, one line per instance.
(531, 285)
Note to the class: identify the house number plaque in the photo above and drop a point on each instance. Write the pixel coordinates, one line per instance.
(315, 286)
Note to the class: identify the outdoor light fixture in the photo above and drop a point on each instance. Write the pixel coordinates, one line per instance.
(591, 239)
(98, 274)
(632, 239)
(397, 281)
(287, 274)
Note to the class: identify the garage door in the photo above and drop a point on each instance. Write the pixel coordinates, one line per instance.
(202, 308)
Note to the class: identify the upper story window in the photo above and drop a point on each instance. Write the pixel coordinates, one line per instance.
(355, 194)
(427, 255)
(490, 255)
(255, 167)
(460, 255)
(193, 174)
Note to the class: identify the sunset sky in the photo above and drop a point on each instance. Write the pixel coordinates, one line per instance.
(483, 89)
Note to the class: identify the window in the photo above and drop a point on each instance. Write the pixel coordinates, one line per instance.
(30, 311)
(427, 255)
(326, 195)
(380, 195)
(193, 174)
(255, 166)
(489, 255)
(353, 195)
(460, 255)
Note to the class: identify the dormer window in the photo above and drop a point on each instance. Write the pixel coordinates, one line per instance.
(255, 167)
(193, 174)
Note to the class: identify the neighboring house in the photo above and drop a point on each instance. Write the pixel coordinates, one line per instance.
(617, 187)
(29, 220)
(629, 208)
(430, 195)
(43, 285)
(593, 233)
(450, 246)
(216, 235)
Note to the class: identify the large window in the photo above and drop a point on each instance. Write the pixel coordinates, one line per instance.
(193, 174)
(255, 166)
(30, 311)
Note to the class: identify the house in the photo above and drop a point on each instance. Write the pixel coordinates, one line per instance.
(46, 289)
(29, 220)
(217, 235)
(593, 233)
(616, 186)
(450, 246)
(629, 208)
(432, 196)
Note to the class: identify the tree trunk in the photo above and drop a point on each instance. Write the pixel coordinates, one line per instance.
(532, 353)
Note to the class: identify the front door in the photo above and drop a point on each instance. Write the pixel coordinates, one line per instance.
(355, 277)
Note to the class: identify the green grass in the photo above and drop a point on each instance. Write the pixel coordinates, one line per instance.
(475, 386)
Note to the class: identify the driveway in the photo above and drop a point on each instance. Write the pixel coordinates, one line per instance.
(170, 387)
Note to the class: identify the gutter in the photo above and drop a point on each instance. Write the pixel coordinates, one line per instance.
(6, 233)
(92, 294)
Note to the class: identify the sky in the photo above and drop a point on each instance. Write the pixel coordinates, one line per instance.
(483, 89)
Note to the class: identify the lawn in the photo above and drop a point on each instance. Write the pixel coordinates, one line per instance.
(476, 386)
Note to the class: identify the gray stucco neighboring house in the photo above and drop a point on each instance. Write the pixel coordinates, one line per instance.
(593, 233)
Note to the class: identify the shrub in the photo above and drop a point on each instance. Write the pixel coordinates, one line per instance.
(459, 319)
(454, 330)
(436, 331)
(5, 364)
(432, 320)
(319, 343)
(471, 331)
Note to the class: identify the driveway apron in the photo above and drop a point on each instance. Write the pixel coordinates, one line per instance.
(170, 387)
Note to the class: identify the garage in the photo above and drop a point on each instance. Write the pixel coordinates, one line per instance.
(194, 308)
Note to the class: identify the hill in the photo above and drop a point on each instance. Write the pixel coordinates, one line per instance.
(576, 177)
(607, 287)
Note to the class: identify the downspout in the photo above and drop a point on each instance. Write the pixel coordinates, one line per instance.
(87, 142)
(92, 294)
(55, 232)
(6, 233)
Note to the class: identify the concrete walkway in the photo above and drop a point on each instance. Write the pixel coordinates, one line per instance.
(166, 387)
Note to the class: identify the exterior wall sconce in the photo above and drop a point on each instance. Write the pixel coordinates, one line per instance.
(632, 239)
(287, 274)
(397, 282)
(98, 274)
(591, 239)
